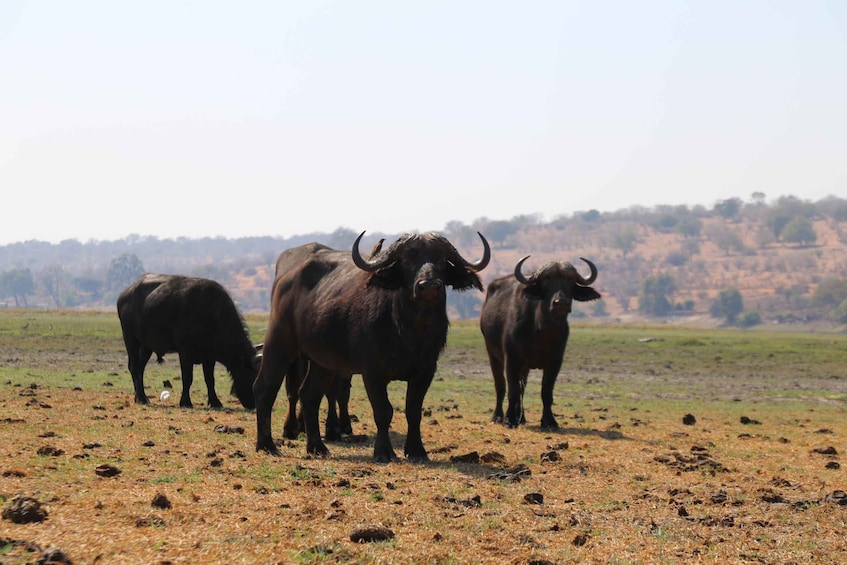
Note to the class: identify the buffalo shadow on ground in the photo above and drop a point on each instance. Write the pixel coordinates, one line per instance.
(398, 439)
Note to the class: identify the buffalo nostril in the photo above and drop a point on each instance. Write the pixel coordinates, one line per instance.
(429, 289)
(434, 284)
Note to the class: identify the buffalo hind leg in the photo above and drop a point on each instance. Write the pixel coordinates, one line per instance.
(333, 425)
(187, 369)
(499, 387)
(344, 384)
(311, 394)
(294, 379)
(209, 377)
(515, 413)
(337, 398)
(517, 377)
(265, 390)
(138, 359)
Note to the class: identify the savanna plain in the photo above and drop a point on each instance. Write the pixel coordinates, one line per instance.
(675, 445)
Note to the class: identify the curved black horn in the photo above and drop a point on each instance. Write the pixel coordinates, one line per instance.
(592, 277)
(483, 262)
(360, 261)
(518, 274)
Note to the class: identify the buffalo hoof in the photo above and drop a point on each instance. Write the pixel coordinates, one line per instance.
(513, 418)
(185, 404)
(549, 424)
(384, 456)
(215, 404)
(268, 446)
(291, 431)
(317, 450)
(417, 457)
(414, 451)
(142, 399)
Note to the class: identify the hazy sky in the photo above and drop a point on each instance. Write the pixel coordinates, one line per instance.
(208, 118)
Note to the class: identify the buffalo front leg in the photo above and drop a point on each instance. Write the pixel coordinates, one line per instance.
(415, 393)
(187, 369)
(548, 381)
(209, 377)
(377, 390)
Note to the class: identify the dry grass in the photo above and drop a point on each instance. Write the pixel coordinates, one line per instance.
(623, 481)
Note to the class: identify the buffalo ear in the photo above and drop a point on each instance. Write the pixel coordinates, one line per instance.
(460, 278)
(390, 278)
(585, 293)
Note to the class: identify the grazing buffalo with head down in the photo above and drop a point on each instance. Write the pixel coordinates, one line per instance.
(525, 324)
(195, 318)
(384, 318)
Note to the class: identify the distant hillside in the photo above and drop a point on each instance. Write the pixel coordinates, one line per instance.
(787, 259)
(775, 278)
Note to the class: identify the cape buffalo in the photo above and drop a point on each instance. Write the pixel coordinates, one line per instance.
(337, 390)
(195, 318)
(525, 325)
(384, 318)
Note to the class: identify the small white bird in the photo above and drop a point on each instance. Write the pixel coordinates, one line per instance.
(166, 394)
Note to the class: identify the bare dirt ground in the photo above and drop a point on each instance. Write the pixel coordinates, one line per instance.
(714, 475)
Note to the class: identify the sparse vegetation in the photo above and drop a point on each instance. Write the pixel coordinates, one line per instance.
(800, 231)
(656, 298)
(749, 318)
(677, 444)
(728, 305)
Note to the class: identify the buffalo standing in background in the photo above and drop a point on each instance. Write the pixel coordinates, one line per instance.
(384, 318)
(525, 325)
(195, 318)
(337, 386)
